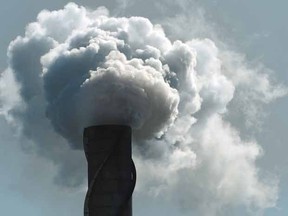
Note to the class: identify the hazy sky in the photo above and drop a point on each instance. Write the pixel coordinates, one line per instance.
(255, 29)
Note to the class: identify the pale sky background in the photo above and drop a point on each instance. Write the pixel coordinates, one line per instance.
(256, 28)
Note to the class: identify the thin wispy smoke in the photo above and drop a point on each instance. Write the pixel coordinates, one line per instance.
(77, 67)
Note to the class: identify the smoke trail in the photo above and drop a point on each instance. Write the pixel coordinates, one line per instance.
(75, 68)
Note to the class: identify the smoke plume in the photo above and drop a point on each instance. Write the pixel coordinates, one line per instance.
(77, 67)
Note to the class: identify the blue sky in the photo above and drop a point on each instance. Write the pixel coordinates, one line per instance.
(256, 29)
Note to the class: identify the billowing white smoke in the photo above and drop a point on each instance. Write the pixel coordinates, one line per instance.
(75, 68)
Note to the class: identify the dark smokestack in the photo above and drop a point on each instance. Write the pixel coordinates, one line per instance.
(111, 171)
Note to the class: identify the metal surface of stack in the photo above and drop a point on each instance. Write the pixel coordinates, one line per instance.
(111, 171)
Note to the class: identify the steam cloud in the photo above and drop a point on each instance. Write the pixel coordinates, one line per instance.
(75, 68)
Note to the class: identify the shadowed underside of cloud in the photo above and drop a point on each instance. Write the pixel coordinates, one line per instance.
(76, 67)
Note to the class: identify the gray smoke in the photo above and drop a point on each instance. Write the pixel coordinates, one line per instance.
(75, 68)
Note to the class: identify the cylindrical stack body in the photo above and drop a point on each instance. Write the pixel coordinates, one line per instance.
(111, 172)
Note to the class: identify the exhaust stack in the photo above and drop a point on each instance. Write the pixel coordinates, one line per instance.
(111, 171)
